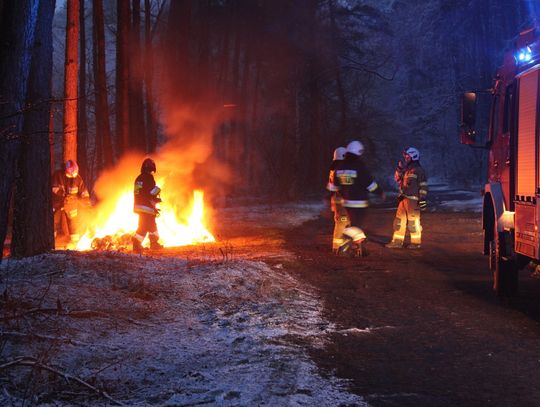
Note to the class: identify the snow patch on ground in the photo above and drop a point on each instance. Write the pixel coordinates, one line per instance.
(163, 331)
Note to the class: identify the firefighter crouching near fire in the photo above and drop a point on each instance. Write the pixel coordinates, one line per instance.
(341, 220)
(146, 194)
(68, 191)
(413, 189)
(355, 182)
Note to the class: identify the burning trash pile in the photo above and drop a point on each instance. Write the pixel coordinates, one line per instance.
(112, 223)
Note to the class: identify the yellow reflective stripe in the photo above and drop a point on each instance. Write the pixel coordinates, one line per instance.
(331, 187)
(73, 190)
(423, 184)
(85, 194)
(411, 176)
(156, 190)
(423, 192)
(144, 209)
(372, 187)
(355, 204)
(414, 198)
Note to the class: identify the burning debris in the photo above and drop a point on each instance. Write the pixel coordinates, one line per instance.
(117, 242)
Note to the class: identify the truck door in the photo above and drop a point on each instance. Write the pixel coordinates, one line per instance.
(527, 171)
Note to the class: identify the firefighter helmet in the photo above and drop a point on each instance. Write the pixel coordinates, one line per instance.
(413, 153)
(148, 166)
(71, 168)
(339, 153)
(355, 147)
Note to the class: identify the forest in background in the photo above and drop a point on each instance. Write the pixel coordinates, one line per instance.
(246, 98)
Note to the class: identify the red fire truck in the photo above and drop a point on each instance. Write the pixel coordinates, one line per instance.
(511, 204)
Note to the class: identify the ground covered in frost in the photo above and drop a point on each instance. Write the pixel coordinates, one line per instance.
(111, 328)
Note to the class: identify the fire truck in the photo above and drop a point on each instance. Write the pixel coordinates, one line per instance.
(511, 196)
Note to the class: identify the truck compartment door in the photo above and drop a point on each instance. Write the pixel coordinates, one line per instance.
(527, 167)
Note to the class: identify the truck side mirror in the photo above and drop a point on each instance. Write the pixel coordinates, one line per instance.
(468, 118)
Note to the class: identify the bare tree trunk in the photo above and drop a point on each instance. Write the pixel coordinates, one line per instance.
(103, 127)
(33, 218)
(136, 107)
(17, 29)
(122, 76)
(151, 130)
(70, 81)
(82, 110)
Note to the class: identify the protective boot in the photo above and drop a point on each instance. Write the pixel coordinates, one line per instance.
(137, 246)
(394, 244)
(154, 244)
(414, 246)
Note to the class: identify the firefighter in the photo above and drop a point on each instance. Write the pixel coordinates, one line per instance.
(355, 182)
(69, 191)
(413, 189)
(146, 197)
(341, 220)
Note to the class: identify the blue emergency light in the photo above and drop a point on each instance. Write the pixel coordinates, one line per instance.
(524, 55)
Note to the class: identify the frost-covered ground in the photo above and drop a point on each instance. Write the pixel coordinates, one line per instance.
(161, 331)
(210, 326)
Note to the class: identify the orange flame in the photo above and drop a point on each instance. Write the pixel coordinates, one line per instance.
(176, 226)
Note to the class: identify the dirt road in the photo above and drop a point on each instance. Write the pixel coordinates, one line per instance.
(422, 328)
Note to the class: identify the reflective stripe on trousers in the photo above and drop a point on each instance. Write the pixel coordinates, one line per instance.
(341, 221)
(407, 218)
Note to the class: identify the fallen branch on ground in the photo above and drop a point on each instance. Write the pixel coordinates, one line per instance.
(29, 361)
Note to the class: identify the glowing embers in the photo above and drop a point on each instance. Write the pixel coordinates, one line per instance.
(114, 224)
(524, 55)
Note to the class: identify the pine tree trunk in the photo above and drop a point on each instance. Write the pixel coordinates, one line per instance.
(33, 218)
(151, 130)
(82, 158)
(70, 81)
(17, 28)
(122, 76)
(104, 154)
(136, 107)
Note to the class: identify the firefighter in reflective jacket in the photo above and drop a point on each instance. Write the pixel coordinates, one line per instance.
(146, 194)
(413, 189)
(355, 182)
(341, 220)
(68, 191)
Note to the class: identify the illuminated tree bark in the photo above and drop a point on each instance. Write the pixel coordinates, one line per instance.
(33, 218)
(104, 154)
(82, 108)
(70, 81)
(17, 28)
(122, 75)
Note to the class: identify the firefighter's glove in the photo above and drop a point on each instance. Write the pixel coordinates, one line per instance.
(158, 212)
(422, 205)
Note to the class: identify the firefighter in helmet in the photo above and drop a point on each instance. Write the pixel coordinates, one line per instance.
(355, 182)
(413, 189)
(69, 191)
(341, 220)
(146, 194)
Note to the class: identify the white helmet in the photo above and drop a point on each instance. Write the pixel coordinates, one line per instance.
(413, 153)
(355, 147)
(339, 153)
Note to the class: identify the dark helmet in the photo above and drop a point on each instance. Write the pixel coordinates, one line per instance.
(71, 168)
(148, 166)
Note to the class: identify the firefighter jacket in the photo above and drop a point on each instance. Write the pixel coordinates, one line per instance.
(413, 182)
(146, 194)
(67, 190)
(336, 198)
(355, 182)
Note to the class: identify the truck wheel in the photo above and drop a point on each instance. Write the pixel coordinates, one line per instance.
(505, 273)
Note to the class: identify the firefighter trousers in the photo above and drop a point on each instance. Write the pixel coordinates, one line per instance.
(341, 221)
(407, 219)
(147, 224)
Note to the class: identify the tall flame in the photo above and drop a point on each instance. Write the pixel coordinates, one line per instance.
(176, 226)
